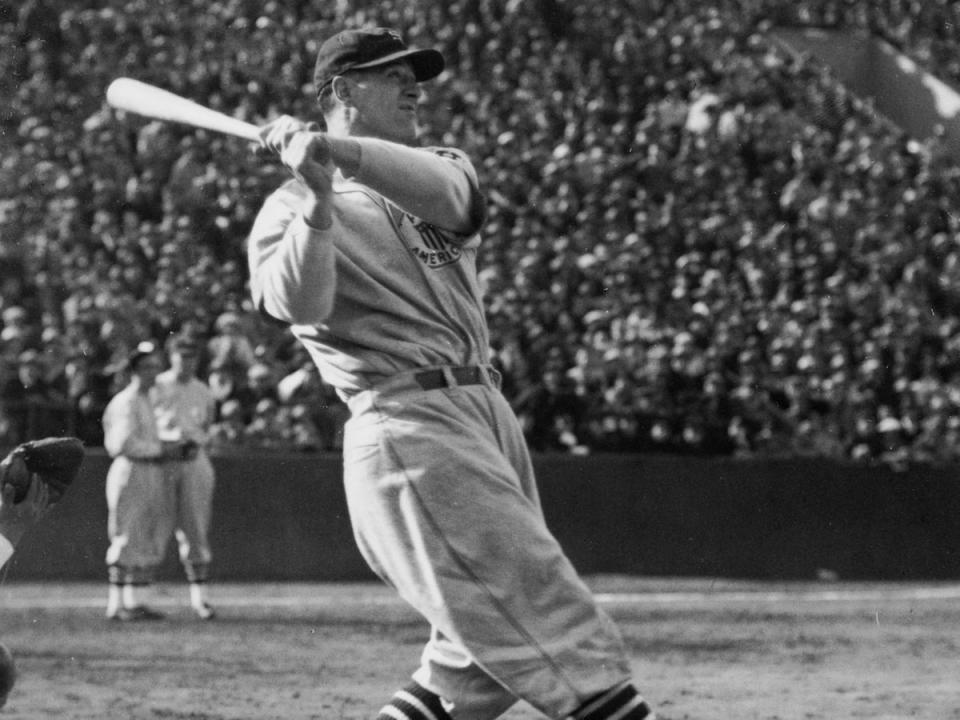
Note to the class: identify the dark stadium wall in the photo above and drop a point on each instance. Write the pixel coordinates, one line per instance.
(283, 517)
(901, 91)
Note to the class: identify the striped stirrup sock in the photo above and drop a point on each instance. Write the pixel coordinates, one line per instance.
(414, 702)
(621, 702)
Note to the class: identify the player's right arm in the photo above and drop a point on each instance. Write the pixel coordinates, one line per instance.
(123, 434)
(290, 248)
(16, 518)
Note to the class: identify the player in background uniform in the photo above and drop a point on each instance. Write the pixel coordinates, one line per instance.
(185, 408)
(369, 253)
(135, 488)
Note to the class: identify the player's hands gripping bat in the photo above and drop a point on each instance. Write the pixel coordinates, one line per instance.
(303, 148)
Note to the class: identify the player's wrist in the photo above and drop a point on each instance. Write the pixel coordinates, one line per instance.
(317, 214)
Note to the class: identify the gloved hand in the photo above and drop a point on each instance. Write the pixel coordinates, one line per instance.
(56, 460)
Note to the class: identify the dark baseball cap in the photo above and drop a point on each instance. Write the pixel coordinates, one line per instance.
(142, 350)
(361, 49)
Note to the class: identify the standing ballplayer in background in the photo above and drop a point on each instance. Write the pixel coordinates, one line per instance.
(185, 408)
(136, 488)
(369, 252)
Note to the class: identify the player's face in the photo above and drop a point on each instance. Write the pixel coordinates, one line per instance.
(185, 362)
(386, 101)
(148, 368)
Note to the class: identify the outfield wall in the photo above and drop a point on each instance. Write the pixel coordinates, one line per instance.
(283, 517)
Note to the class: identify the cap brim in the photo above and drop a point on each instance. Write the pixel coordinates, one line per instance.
(427, 64)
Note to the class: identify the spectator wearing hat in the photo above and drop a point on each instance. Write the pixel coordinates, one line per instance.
(17, 326)
(260, 384)
(540, 407)
(326, 412)
(32, 404)
(135, 488)
(185, 409)
(304, 435)
(268, 429)
(230, 349)
(228, 433)
(88, 392)
(894, 451)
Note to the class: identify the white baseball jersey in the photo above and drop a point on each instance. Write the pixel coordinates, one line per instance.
(407, 294)
(184, 410)
(134, 485)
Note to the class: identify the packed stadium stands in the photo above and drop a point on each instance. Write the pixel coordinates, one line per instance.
(696, 243)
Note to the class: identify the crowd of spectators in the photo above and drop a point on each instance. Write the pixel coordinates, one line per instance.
(695, 243)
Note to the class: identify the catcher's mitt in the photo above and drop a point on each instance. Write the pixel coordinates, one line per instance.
(55, 459)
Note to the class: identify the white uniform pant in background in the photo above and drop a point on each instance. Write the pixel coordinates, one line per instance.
(135, 491)
(445, 509)
(185, 509)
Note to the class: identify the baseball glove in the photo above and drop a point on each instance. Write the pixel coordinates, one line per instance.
(55, 459)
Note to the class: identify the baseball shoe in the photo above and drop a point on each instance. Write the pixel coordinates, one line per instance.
(135, 614)
(204, 611)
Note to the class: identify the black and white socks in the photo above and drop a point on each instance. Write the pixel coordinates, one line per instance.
(414, 702)
(621, 702)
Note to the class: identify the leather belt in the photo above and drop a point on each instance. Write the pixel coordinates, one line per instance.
(460, 375)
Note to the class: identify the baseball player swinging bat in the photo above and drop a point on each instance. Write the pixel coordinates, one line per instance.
(150, 101)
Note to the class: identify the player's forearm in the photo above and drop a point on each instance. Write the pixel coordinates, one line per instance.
(418, 181)
(121, 436)
(133, 448)
(292, 267)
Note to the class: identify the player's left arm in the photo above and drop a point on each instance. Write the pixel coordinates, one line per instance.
(17, 518)
(438, 185)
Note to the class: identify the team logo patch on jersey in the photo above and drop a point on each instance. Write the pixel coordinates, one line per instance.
(429, 244)
(437, 249)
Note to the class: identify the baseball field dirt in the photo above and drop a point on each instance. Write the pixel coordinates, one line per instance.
(702, 650)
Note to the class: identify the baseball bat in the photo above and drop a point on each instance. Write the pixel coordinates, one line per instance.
(150, 101)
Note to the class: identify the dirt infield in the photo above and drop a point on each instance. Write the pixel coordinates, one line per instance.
(701, 649)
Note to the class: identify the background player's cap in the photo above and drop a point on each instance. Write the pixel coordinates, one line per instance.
(360, 49)
(142, 350)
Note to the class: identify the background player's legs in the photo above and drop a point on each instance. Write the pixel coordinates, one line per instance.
(134, 492)
(195, 483)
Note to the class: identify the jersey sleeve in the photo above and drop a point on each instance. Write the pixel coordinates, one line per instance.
(437, 185)
(292, 265)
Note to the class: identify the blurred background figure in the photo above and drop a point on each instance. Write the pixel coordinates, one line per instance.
(32, 405)
(185, 410)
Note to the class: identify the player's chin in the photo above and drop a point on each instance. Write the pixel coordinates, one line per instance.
(407, 120)
(406, 133)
